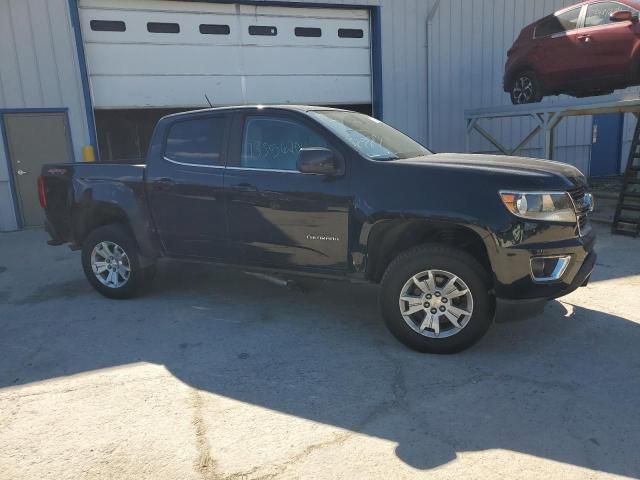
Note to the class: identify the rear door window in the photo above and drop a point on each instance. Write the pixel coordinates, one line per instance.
(555, 24)
(199, 141)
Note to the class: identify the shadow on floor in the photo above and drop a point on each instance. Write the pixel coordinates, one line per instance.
(562, 386)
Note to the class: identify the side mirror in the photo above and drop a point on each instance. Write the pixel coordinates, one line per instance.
(319, 161)
(623, 16)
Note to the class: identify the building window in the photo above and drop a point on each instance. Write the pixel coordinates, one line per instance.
(350, 33)
(263, 30)
(308, 32)
(199, 141)
(107, 26)
(161, 27)
(209, 29)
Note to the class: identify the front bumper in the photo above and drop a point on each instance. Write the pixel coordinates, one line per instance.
(511, 262)
(520, 309)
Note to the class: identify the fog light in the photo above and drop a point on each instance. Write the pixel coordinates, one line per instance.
(549, 269)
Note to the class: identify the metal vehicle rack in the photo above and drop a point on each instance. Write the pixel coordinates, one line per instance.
(547, 118)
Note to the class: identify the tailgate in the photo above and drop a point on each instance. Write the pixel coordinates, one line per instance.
(58, 193)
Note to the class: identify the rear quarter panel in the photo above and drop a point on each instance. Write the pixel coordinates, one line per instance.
(88, 195)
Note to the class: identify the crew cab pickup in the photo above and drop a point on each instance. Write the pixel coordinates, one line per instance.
(451, 238)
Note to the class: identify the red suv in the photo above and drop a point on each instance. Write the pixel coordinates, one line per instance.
(588, 49)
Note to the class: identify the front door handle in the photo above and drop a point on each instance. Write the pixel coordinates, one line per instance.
(165, 183)
(585, 38)
(21, 172)
(245, 187)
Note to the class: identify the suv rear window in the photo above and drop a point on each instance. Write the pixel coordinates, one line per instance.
(559, 23)
(199, 141)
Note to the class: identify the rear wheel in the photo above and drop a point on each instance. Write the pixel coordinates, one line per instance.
(526, 88)
(112, 263)
(435, 299)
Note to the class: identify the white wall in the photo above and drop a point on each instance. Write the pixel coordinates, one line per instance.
(38, 69)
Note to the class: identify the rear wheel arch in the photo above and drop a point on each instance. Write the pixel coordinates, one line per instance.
(389, 239)
(98, 215)
(86, 219)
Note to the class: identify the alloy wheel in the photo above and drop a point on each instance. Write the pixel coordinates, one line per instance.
(523, 90)
(436, 304)
(110, 264)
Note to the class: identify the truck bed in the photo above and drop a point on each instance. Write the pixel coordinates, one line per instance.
(72, 189)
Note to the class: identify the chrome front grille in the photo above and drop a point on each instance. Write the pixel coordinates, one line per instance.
(582, 207)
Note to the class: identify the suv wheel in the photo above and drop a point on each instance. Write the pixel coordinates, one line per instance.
(111, 263)
(525, 88)
(435, 299)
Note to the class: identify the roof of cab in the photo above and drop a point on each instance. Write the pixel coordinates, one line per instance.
(297, 108)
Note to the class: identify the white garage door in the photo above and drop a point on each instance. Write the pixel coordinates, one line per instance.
(154, 53)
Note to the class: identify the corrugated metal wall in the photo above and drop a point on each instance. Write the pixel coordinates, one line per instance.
(468, 41)
(38, 69)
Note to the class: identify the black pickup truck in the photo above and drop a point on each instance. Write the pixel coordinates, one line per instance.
(451, 238)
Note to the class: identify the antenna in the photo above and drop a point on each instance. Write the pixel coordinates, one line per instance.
(208, 101)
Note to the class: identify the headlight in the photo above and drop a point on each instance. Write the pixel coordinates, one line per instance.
(549, 206)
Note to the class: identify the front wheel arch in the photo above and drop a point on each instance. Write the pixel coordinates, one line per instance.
(390, 238)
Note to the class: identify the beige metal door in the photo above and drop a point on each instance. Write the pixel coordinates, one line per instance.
(34, 139)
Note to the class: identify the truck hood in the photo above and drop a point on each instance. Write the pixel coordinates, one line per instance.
(521, 166)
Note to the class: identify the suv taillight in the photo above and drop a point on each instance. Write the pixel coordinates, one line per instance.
(42, 192)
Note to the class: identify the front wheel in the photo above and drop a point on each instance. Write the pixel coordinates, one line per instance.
(112, 263)
(525, 88)
(435, 299)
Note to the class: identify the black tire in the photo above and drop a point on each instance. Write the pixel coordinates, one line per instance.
(437, 257)
(520, 95)
(138, 278)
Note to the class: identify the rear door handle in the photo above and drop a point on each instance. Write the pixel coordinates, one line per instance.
(585, 38)
(164, 183)
(245, 187)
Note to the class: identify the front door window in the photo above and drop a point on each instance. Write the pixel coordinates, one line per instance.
(274, 143)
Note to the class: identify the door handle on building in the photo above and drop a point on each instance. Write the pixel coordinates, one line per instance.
(21, 172)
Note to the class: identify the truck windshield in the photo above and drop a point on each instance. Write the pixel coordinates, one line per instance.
(369, 136)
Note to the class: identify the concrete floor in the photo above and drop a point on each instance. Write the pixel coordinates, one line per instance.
(221, 375)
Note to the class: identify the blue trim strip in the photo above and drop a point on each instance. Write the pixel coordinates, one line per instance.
(5, 143)
(84, 75)
(12, 183)
(376, 61)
